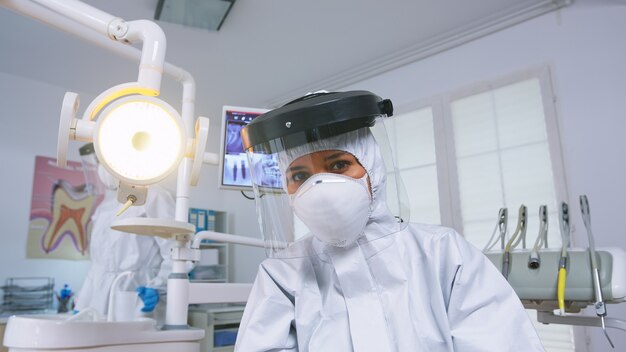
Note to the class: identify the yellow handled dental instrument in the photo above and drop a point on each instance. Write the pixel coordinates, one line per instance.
(562, 278)
(129, 201)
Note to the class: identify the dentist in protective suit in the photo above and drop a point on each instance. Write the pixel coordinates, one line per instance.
(113, 252)
(363, 279)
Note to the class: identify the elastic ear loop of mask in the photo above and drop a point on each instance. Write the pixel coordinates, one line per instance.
(307, 184)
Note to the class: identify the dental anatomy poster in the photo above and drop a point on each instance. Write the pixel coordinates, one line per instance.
(61, 208)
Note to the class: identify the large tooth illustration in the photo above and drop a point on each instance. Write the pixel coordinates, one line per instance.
(71, 209)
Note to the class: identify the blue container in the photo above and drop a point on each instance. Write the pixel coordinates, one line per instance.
(224, 338)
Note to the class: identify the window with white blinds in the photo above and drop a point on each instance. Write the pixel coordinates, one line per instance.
(464, 156)
(503, 159)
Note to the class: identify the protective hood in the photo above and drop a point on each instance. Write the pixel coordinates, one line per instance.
(362, 144)
(292, 147)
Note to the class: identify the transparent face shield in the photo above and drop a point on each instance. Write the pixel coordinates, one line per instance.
(89, 163)
(329, 193)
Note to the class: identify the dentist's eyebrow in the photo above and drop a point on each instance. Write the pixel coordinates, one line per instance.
(335, 156)
(296, 168)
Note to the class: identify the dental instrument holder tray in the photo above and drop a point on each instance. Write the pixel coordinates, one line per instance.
(537, 288)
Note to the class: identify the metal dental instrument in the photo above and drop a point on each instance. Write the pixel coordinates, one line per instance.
(518, 236)
(129, 201)
(564, 219)
(501, 225)
(534, 261)
(599, 305)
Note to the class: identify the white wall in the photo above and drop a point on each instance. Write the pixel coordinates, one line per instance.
(29, 128)
(585, 45)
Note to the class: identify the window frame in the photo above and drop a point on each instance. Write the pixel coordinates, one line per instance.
(447, 173)
(543, 74)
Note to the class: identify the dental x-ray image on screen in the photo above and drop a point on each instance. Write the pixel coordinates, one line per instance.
(235, 170)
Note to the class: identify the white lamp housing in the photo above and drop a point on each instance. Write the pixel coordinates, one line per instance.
(71, 128)
(68, 115)
(199, 145)
(139, 139)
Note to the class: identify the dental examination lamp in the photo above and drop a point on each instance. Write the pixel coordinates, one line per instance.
(138, 138)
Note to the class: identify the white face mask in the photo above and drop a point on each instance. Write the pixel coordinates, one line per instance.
(334, 207)
(110, 182)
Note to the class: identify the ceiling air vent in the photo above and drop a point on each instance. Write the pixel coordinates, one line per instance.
(207, 14)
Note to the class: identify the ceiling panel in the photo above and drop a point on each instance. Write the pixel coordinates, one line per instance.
(266, 51)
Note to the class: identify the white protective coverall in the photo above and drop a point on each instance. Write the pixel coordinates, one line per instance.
(113, 252)
(424, 288)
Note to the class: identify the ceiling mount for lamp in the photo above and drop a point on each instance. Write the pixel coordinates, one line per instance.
(207, 14)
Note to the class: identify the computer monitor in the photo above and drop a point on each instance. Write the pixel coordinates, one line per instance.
(234, 168)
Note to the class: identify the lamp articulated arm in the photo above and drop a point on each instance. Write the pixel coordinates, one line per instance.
(150, 34)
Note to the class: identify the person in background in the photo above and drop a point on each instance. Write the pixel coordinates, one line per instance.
(113, 252)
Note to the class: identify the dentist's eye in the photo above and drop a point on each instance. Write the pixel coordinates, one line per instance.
(340, 166)
(299, 177)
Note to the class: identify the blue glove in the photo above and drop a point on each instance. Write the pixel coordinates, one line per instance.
(150, 298)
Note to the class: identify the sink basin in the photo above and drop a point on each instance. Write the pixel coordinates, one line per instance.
(55, 333)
